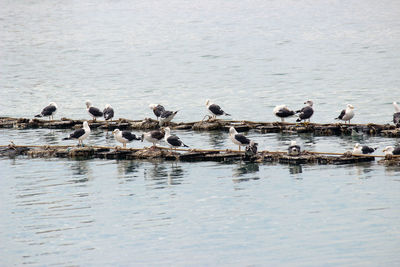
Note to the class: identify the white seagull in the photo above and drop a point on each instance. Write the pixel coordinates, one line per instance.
(48, 111)
(157, 109)
(167, 116)
(294, 149)
(172, 140)
(282, 111)
(215, 110)
(359, 149)
(389, 150)
(346, 114)
(238, 139)
(80, 134)
(153, 137)
(93, 111)
(306, 112)
(124, 137)
(108, 112)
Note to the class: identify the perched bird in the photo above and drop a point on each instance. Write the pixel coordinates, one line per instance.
(124, 136)
(80, 134)
(153, 137)
(346, 114)
(389, 150)
(282, 111)
(167, 116)
(358, 149)
(238, 139)
(48, 111)
(108, 112)
(157, 109)
(251, 149)
(215, 110)
(294, 149)
(396, 115)
(306, 112)
(93, 111)
(172, 140)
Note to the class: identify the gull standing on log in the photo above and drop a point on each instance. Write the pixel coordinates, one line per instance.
(294, 149)
(157, 109)
(166, 116)
(80, 134)
(306, 112)
(48, 111)
(346, 114)
(172, 140)
(358, 149)
(108, 112)
(282, 111)
(389, 150)
(238, 139)
(396, 115)
(215, 110)
(153, 137)
(124, 136)
(93, 111)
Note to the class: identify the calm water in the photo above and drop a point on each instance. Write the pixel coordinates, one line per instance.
(247, 56)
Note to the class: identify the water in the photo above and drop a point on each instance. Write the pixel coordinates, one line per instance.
(247, 56)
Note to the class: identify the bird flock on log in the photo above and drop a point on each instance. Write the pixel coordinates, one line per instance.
(165, 116)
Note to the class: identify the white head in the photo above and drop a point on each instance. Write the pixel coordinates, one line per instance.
(88, 103)
(388, 150)
(293, 143)
(116, 131)
(357, 145)
(153, 106)
(349, 106)
(108, 106)
(85, 124)
(167, 131)
(232, 131)
(396, 107)
(309, 103)
(53, 104)
(208, 102)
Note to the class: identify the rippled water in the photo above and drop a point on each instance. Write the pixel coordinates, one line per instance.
(247, 56)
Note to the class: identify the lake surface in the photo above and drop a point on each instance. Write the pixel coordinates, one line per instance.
(247, 56)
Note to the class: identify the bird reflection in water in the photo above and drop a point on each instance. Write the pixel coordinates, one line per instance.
(242, 171)
(164, 176)
(81, 171)
(217, 139)
(295, 169)
(50, 138)
(128, 169)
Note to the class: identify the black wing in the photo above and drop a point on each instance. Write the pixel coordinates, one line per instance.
(341, 114)
(367, 150)
(242, 139)
(47, 111)
(157, 134)
(108, 113)
(129, 136)
(284, 112)
(77, 133)
(158, 110)
(174, 140)
(215, 109)
(166, 114)
(306, 113)
(396, 151)
(95, 112)
(396, 118)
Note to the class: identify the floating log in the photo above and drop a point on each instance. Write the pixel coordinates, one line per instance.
(210, 125)
(190, 155)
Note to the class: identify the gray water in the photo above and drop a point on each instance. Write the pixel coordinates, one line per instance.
(246, 56)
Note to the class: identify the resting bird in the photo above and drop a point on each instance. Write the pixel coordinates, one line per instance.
(396, 115)
(48, 111)
(108, 112)
(251, 149)
(124, 137)
(94, 112)
(389, 150)
(358, 149)
(294, 149)
(157, 109)
(215, 110)
(346, 114)
(306, 112)
(167, 116)
(80, 134)
(282, 111)
(238, 139)
(153, 137)
(172, 140)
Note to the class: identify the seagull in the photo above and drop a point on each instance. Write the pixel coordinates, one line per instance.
(108, 112)
(238, 139)
(358, 149)
(153, 137)
(80, 134)
(396, 115)
(157, 109)
(389, 150)
(124, 136)
(215, 110)
(251, 149)
(346, 114)
(294, 149)
(306, 112)
(167, 116)
(48, 111)
(282, 111)
(172, 140)
(94, 112)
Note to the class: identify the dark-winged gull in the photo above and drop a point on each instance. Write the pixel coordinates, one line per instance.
(389, 150)
(251, 149)
(215, 110)
(124, 137)
(282, 111)
(153, 137)
(93, 111)
(48, 111)
(238, 139)
(157, 109)
(359, 149)
(172, 140)
(80, 134)
(108, 112)
(306, 112)
(166, 116)
(294, 149)
(346, 114)
(396, 115)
